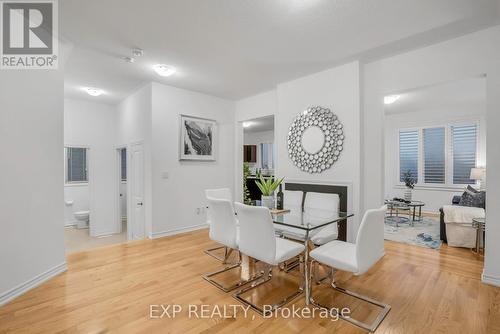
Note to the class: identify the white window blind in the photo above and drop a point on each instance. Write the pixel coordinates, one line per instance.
(408, 153)
(76, 164)
(464, 152)
(434, 155)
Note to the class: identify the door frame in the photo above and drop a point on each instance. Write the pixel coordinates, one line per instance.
(130, 190)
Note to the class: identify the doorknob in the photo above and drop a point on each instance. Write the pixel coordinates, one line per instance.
(140, 203)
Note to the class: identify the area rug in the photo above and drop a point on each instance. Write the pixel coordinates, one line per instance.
(423, 234)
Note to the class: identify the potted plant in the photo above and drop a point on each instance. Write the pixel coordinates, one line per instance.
(246, 192)
(409, 181)
(267, 188)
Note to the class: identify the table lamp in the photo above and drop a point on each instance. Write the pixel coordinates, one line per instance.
(477, 174)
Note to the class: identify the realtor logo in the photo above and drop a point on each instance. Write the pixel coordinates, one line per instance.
(29, 34)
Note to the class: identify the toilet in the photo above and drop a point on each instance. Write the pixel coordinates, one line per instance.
(82, 219)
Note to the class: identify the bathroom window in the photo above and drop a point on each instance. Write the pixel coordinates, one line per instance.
(76, 165)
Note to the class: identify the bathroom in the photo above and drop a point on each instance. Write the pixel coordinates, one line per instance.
(95, 184)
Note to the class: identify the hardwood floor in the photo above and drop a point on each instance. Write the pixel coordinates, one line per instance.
(110, 290)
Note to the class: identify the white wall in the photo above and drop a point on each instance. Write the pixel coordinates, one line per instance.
(337, 89)
(437, 197)
(176, 199)
(31, 179)
(133, 126)
(257, 106)
(456, 59)
(93, 125)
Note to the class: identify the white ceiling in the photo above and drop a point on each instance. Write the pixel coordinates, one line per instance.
(237, 48)
(456, 94)
(259, 124)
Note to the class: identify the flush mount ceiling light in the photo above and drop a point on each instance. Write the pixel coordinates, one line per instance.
(390, 99)
(247, 124)
(164, 70)
(93, 91)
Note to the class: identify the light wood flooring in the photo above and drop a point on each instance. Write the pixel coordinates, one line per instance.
(110, 290)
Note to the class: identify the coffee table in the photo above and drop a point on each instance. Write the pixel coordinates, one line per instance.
(395, 208)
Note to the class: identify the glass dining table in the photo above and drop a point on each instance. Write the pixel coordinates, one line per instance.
(305, 225)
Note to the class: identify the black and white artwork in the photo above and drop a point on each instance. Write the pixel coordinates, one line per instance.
(197, 138)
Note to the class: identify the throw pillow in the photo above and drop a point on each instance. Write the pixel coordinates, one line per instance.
(473, 198)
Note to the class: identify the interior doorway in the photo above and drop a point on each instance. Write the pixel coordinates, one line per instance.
(435, 141)
(259, 154)
(122, 216)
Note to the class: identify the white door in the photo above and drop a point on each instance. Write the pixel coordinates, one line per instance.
(137, 191)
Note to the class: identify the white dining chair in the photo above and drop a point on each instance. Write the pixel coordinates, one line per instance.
(219, 193)
(356, 258)
(318, 205)
(327, 205)
(258, 241)
(224, 230)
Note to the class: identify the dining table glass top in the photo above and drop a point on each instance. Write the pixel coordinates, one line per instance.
(310, 219)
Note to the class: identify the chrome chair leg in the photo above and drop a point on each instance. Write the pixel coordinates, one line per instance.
(291, 264)
(240, 283)
(224, 259)
(367, 326)
(209, 252)
(267, 278)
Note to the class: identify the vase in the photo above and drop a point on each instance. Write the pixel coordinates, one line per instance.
(268, 201)
(407, 194)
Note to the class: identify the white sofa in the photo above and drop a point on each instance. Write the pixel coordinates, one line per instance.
(458, 221)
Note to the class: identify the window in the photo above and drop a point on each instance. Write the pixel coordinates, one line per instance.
(464, 153)
(408, 153)
(76, 165)
(434, 155)
(266, 155)
(123, 165)
(439, 155)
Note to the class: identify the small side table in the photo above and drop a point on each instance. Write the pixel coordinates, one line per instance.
(479, 224)
(415, 205)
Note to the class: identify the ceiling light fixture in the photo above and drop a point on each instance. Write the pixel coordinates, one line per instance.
(137, 52)
(93, 91)
(390, 99)
(129, 60)
(247, 124)
(164, 70)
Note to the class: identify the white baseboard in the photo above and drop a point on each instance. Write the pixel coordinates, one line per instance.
(104, 234)
(175, 231)
(492, 280)
(7, 296)
(70, 223)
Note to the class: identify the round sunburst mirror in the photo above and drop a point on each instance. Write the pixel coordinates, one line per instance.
(315, 139)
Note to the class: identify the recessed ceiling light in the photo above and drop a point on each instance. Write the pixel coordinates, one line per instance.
(164, 70)
(247, 124)
(390, 99)
(93, 91)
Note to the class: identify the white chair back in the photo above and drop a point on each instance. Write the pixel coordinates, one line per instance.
(223, 224)
(322, 201)
(370, 239)
(222, 193)
(257, 238)
(293, 201)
